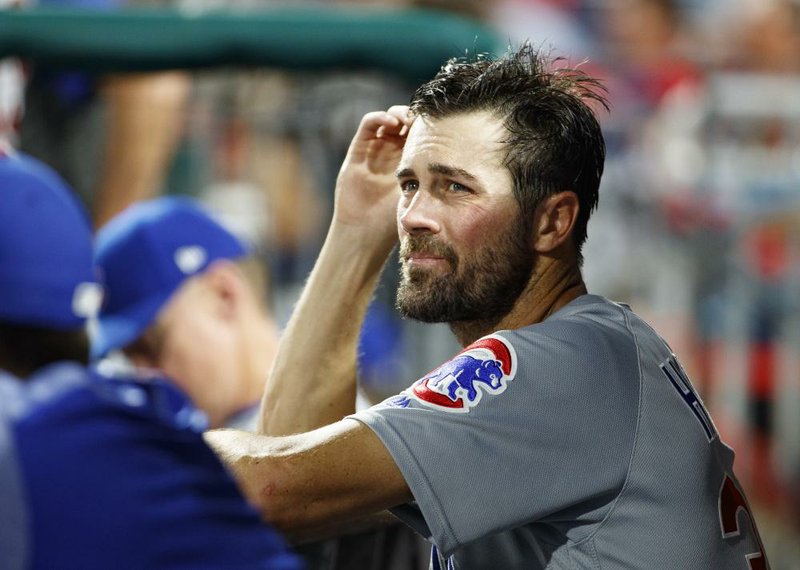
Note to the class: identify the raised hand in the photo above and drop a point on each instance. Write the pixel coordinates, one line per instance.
(366, 188)
(327, 319)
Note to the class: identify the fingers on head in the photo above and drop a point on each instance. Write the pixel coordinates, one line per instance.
(376, 122)
(395, 121)
(402, 112)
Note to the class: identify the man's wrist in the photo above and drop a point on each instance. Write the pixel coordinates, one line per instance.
(349, 241)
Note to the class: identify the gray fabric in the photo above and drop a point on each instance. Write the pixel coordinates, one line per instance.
(13, 515)
(590, 455)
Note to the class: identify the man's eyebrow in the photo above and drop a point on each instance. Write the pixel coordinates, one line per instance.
(438, 168)
(404, 173)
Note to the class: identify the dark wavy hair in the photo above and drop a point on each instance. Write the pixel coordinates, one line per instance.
(554, 140)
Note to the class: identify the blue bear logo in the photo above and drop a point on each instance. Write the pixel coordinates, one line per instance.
(462, 373)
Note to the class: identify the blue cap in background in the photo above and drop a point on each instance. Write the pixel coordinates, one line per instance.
(47, 277)
(144, 254)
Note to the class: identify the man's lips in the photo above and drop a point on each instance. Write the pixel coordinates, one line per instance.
(420, 258)
(423, 255)
(423, 251)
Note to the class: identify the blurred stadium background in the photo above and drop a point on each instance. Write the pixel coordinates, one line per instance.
(699, 216)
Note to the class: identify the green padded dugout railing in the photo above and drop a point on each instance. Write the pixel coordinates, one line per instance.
(409, 43)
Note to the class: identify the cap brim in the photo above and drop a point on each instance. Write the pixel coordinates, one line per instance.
(117, 330)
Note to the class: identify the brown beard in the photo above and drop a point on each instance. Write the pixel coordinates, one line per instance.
(482, 285)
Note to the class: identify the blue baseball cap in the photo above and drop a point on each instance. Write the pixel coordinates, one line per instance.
(47, 277)
(144, 254)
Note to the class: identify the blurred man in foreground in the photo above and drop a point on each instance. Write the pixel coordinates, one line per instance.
(96, 473)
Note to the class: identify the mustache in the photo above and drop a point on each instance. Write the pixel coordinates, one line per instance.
(428, 245)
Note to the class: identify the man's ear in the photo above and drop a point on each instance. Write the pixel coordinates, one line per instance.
(554, 220)
(225, 283)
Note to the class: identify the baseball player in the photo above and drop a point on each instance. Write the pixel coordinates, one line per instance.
(96, 473)
(566, 427)
(186, 296)
(199, 317)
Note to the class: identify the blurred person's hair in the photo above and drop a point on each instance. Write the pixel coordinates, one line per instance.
(24, 349)
(554, 140)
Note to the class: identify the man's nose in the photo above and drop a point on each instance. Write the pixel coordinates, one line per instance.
(419, 215)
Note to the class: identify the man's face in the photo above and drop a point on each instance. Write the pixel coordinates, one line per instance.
(195, 347)
(464, 249)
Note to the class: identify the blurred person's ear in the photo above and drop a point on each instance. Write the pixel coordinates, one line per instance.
(228, 287)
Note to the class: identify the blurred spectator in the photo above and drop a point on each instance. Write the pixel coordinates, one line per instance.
(752, 146)
(765, 36)
(648, 43)
(556, 24)
(113, 136)
(249, 164)
(655, 89)
(144, 121)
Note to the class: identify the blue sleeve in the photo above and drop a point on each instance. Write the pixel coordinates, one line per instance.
(112, 488)
(13, 521)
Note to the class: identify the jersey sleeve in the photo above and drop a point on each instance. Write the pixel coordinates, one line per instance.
(119, 483)
(519, 427)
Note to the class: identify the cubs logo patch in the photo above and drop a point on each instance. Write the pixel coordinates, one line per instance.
(484, 367)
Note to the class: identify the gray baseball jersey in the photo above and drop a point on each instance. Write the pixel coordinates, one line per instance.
(577, 442)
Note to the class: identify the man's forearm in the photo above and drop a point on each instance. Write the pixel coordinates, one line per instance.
(314, 485)
(313, 380)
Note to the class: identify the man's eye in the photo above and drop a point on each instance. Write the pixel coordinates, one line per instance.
(409, 186)
(456, 187)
